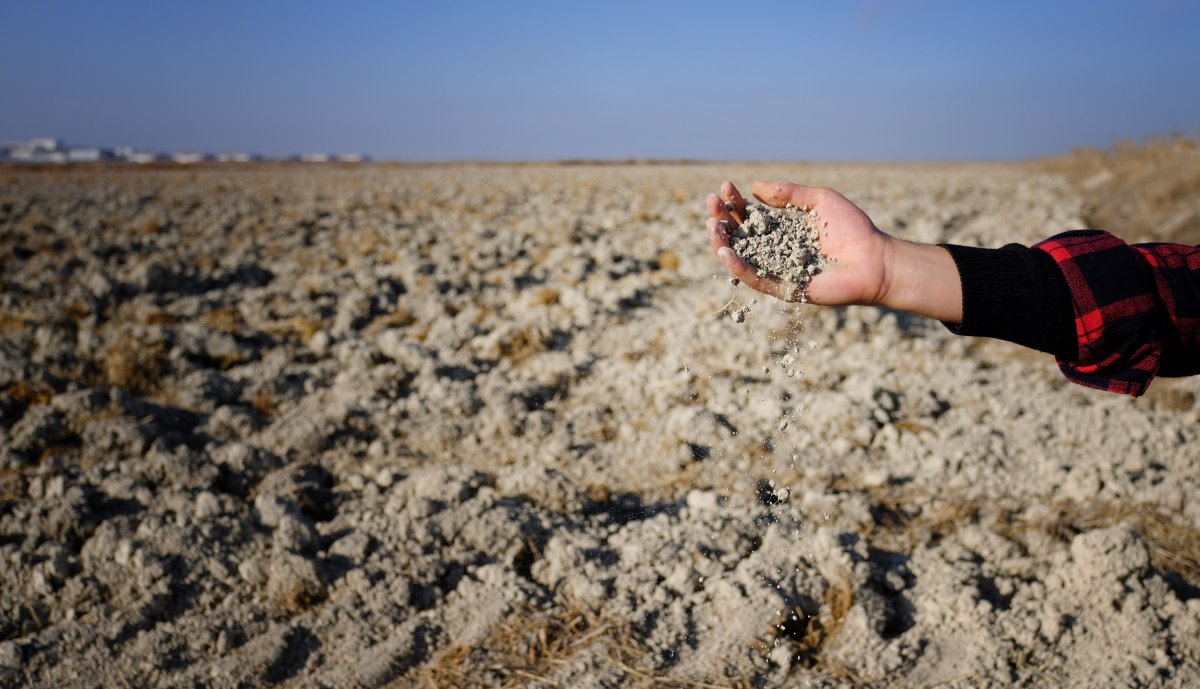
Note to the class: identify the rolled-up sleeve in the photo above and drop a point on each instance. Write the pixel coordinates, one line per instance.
(1136, 309)
(1114, 315)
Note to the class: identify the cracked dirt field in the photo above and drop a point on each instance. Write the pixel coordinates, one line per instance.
(457, 426)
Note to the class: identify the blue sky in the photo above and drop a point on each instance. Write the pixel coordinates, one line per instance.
(899, 80)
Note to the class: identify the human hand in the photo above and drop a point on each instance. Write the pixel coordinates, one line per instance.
(847, 235)
(870, 267)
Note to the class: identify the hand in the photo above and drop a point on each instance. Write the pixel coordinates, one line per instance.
(847, 235)
(869, 267)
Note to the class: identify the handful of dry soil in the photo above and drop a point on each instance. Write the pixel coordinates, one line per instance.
(782, 243)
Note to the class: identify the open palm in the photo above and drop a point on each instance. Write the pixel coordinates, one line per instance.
(859, 250)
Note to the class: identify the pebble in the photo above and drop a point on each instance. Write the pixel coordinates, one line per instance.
(251, 571)
(207, 505)
(384, 478)
(701, 500)
(319, 344)
(10, 655)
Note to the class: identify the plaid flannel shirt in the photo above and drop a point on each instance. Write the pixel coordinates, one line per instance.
(1136, 309)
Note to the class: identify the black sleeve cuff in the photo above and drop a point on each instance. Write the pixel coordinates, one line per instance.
(1017, 294)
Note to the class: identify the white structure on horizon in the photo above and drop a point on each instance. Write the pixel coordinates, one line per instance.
(87, 154)
(130, 154)
(52, 150)
(188, 158)
(39, 150)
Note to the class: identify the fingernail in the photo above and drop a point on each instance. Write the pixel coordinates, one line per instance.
(725, 254)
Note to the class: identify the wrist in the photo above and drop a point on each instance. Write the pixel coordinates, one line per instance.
(922, 279)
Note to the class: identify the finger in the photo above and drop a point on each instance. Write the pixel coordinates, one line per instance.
(718, 234)
(780, 194)
(743, 271)
(731, 195)
(718, 210)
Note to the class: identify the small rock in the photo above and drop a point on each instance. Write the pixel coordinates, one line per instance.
(296, 534)
(223, 643)
(319, 344)
(251, 571)
(384, 478)
(353, 547)
(56, 487)
(294, 581)
(271, 509)
(42, 583)
(123, 552)
(207, 505)
(701, 500)
(10, 655)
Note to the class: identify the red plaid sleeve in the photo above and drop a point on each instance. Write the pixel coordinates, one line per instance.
(1137, 309)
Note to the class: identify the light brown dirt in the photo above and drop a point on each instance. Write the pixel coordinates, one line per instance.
(478, 426)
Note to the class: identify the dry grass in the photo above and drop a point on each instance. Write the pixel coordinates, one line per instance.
(38, 393)
(264, 403)
(159, 318)
(1149, 192)
(1169, 395)
(400, 318)
(298, 599)
(12, 487)
(1173, 547)
(305, 328)
(530, 646)
(906, 518)
(10, 322)
(810, 632)
(224, 319)
(522, 344)
(134, 365)
(151, 226)
(668, 260)
(76, 311)
(546, 296)
(523, 650)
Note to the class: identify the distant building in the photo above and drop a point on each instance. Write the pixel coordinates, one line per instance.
(53, 150)
(41, 150)
(130, 154)
(351, 158)
(88, 154)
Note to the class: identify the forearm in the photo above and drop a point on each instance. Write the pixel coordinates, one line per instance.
(1013, 293)
(923, 279)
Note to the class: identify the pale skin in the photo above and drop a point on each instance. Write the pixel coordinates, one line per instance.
(870, 267)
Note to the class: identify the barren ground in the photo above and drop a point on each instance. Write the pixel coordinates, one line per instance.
(479, 426)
